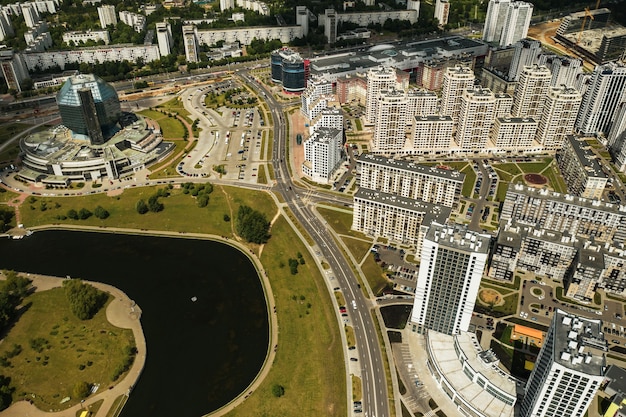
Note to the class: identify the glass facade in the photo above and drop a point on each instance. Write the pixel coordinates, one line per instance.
(72, 111)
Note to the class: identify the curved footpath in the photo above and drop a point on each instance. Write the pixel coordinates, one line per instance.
(124, 313)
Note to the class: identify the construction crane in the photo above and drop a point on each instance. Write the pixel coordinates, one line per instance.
(587, 15)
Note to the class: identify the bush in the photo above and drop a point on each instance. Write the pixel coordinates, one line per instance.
(226, 218)
(81, 390)
(154, 205)
(84, 214)
(72, 214)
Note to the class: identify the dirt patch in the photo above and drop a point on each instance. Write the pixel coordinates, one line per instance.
(535, 179)
(490, 296)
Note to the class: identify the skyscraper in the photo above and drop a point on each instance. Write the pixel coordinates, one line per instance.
(452, 263)
(533, 85)
(558, 116)
(442, 10)
(107, 15)
(565, 69)
(494, 21)
(568, 370)
(516, 23)
(31, 15)
(302, 19)
(164, 38)
(507, 21)
(617, 138)
(527, 52)
(601, 99)
(392, 118)
(476, 116)
(455, 81)
(191, 43)
(378, 79)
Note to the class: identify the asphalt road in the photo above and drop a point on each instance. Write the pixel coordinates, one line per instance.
(369, 354)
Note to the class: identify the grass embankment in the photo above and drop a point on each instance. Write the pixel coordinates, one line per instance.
(171, 127)
(8, 131)
(309, 361)
(58, 350)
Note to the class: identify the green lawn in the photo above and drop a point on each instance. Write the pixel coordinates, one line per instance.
(534, 167)
(309, 361)
(94, 345)
(511, 169)
(357, 247)
(181, 213)
(171, 128)
(374, 275)
(470, 180)
(340, 221)
(6, 196)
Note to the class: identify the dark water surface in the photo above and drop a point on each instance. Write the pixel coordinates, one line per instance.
(200, 354)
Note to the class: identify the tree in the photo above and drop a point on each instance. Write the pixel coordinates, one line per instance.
(101, 213)
(6, 215)
(72, 214)
(5, 392)
(84, 214)
(154, 205)
(17, 285)
(81, 389)
(85, 300)
(278, 390)
(141, 207)
(252, 225)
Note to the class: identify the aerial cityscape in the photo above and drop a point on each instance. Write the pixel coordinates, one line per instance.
(428, 195)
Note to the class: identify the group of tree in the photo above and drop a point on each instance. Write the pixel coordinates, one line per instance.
(293, 263)
(13, 291)
(252, 225)
(199, 191)
(6, 216)
(153, 205)
(83, 214)
(84, 300)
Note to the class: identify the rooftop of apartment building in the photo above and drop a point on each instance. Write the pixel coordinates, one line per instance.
(579, 343)
(432, 212)
(587, 158)
(412, 166)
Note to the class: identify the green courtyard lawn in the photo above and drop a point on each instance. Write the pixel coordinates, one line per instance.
(340, 219)
(72, 350)
(309, 361)
(7, 196)
(175, 105)
(470, 180)
(374, 275)
(309, 335)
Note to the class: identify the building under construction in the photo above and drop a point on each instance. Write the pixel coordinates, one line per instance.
(593, 36)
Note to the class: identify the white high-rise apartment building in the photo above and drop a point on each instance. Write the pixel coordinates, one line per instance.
(453, 259)
(455, 81)
(565, 69)
(516, 23)
(504, 104)
(392, 119)
(422, 102)
(164, 38)
(601, 99)
(191, 43)
(529, 96)
(442, 10)
(330, 117)
(315, 89)
(330, 27)
(569, 369)
(399, 219)
(558, 117)
(476, 117)
(378, 79)
(617, 138)
(411, 180)
(513, 134)
(322, 154)
(302, 19)
(431, 134)
(107, 15)
(227, 4)
(31, 15)
(135, 20)
(527, 53)
(6, 28)
(494, 21)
